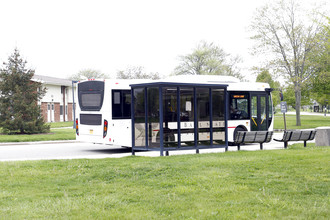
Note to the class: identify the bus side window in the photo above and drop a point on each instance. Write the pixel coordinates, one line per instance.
(121, 104)
(126, 104)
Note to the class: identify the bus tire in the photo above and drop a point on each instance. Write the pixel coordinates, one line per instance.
(237, 129)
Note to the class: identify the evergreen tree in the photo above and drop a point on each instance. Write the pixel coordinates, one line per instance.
(19, 96)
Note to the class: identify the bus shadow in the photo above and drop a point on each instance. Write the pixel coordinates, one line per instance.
(121, 150)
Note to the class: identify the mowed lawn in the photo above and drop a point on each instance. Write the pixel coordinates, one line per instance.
(291, 184)
(58, 131)
(307, 121)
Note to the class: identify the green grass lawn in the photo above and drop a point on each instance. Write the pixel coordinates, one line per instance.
(55, 134)
(307, 121)
(61, 124)
(291, 184)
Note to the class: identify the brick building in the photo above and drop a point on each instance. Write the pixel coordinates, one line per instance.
(57, 104)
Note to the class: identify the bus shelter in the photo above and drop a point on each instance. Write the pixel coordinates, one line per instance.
(169, 116)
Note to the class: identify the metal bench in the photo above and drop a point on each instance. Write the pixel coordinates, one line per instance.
(260, 137)
(297, 135)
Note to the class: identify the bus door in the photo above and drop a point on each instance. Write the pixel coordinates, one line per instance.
(259, 112)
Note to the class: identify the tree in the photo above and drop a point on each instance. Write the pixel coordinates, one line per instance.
(19, 96)
(266, 77)
(88, 74)
(282, 29)
(289, 95)
(136, 72)
(321, 83)
(208, 59)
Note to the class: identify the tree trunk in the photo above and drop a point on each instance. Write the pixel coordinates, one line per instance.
(298, 104)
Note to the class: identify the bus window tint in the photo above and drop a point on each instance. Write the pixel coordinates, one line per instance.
(91, 100)
(126, 103)
(121, 104)
(239, 106)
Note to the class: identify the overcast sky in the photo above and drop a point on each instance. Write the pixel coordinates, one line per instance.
(60, 38)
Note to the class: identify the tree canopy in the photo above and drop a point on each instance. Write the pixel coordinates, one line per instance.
(136, 72)
(320, 85)
(265, 76)
(290, 34)
(89, 74)
(208, 59)
(19, 96)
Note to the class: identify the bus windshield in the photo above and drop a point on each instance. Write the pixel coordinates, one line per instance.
(239, 108)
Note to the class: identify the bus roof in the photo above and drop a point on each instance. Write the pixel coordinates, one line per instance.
(233, 83)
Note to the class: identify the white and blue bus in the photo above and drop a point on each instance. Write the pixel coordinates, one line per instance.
(103, 112)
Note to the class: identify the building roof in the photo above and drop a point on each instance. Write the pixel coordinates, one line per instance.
(52, 80)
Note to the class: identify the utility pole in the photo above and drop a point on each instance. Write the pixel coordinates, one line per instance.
(284, 109)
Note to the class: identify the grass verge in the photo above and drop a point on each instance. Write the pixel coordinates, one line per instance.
(61, 124)
(292, 183)
(307, 121)
(54, 135)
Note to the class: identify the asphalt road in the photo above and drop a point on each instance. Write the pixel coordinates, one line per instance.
(58, 150)
(77, 150)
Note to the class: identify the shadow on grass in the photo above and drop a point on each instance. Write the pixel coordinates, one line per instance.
(113, 151)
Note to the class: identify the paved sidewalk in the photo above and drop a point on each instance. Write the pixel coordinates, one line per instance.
(58, 150)
(273, 145)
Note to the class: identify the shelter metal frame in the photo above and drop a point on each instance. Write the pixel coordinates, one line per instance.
(178, 86)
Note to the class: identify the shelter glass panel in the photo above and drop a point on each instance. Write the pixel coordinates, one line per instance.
(218, 113)
(139, 117)
(153, 117)
(170, 117)
(187, 116)
(203, 116)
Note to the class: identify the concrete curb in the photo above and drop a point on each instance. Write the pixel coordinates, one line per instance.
(38, 142)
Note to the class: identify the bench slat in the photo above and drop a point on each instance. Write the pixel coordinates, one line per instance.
(305, 135)
(295, 136)
(287, 135)
(250, 137)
